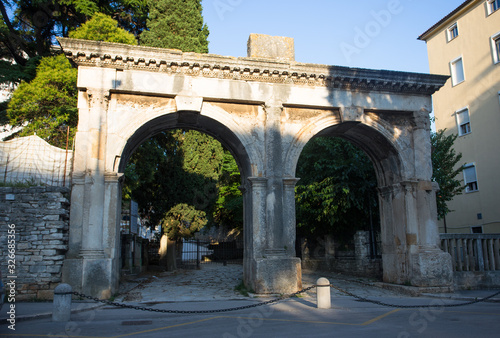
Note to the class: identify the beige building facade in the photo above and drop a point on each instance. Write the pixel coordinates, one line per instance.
(466, 46)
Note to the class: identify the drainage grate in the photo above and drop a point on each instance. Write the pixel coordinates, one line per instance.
(137, 322)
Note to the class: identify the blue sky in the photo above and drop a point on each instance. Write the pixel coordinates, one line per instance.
(378, 34)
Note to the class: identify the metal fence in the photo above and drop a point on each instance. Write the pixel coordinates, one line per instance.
(31, 160)
(192, 253)
(473, 252)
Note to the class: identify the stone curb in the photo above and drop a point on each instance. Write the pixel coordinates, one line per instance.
(463, 298)
(413, 291)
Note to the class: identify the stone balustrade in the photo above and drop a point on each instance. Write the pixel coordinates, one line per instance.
(473, 252)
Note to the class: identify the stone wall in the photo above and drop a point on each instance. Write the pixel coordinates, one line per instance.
(40, 219)
(356, 262)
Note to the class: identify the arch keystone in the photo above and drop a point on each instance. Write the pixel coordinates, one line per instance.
(191, 103)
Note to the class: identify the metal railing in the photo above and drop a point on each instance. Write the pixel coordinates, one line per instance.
(196, 252)
(473, 252)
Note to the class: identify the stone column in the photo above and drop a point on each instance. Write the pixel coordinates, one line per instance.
(274, 170)
(429, 265)
(111, 224)
(393, 234)
(289, 221)
(92, 226)
(90, 271)
(254, 230)
(409, 257)
(275, 269)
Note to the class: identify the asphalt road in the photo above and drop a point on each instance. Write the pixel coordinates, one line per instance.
(296, 317)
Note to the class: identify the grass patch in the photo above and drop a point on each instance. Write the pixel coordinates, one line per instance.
(21, 184)
(242, 289)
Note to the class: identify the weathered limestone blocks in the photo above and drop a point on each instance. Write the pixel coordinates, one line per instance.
(271, 47)
(40, 216)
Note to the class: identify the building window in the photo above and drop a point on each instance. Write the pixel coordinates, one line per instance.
(463, 122)
(495, 47)
(493, 6)
(457, 71)
(476, 229)
(470, 178)
(452, 32)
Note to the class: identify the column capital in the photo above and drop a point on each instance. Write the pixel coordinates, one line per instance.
(290, 182)
(258, 181)
(422, 120)
(78, 177)
(98, 97)
(111, 177)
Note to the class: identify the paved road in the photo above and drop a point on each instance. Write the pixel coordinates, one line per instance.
(294, 317)
(291, 318)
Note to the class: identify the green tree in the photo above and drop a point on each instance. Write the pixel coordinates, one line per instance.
(103, 28)
(176, 24)
(445, 170)
(175, 167)
(28, 28)
(336, 190)
(229, 205)
(48, 103)
(183, 221)
(194, 159)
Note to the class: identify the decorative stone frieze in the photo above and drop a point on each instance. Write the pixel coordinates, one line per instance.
(119, 56)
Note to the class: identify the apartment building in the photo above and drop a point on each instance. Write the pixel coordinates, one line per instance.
(466, 45)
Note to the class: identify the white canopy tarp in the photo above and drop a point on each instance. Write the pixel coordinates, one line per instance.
(31, 159)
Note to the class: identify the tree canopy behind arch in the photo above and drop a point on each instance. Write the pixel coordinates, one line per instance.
(176, 24)
(445, 170)
(47, 105)
(103, 28)
(336, 190)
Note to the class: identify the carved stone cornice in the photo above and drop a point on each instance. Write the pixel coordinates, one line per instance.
(171, 61)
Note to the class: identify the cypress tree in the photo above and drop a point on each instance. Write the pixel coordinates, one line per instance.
(176, 24)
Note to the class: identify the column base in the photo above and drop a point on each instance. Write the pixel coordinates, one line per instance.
(430, 268)
(92, 277)
(424, 268)
(276, 274)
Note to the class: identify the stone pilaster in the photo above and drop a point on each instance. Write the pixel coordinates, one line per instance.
(410, 252)
(289, 221)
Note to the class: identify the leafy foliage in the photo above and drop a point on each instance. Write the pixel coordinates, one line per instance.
(103, 28)
(178, 167)
(48, 103)
(175, 167)
(29, 28)
(229, 205)
(445, 170)
(176, 24)
(183, 221)
(336, 191)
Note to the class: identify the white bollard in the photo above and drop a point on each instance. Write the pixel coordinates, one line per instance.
(61, 311)
(323, 293)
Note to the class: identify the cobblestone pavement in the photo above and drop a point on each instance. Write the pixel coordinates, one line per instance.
(211, 282)
(218, 282)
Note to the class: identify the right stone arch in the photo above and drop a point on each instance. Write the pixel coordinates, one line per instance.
(410, 241)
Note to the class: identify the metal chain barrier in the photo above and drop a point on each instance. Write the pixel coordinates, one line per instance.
(412, 306)
(276, 300)
(142, 308)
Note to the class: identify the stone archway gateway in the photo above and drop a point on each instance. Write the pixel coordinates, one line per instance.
(264, 109)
